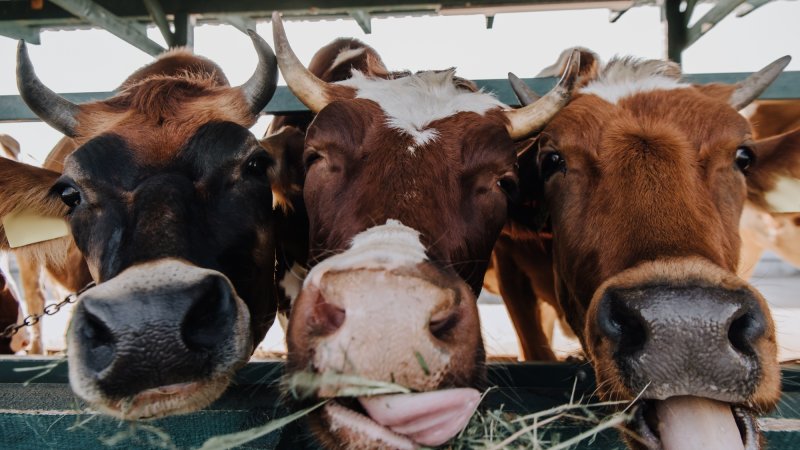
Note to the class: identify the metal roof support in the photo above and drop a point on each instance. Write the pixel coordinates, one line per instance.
(363, 19)
(489, 22)
(29, 34)
(241, 23)
(710, 19)
(676, 21)
(750, 6)
(184, 29)
(127, 30)
(160, 19)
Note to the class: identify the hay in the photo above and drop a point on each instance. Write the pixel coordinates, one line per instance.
(303, 385)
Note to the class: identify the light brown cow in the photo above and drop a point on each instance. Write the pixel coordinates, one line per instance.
(407, 184)
(644, 178)
(168, 198)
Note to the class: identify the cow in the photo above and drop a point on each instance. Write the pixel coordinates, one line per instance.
(407, 184)
(284, 140)
(642, 178)
(762, 230)
(10, 312)
(168, 198)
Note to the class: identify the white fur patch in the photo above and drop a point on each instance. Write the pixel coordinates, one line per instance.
(292, 281)
(389, 246)
(614, 90)
(785, 198)
(412, 102)
(346, 55)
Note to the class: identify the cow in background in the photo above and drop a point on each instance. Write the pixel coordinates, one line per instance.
(643, 178)
(168, 199)
(407, 184)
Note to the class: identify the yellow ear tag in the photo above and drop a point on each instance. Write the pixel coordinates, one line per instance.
(27, 227)
(785, 198)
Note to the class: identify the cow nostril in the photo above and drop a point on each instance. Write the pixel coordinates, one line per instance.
(745, 330)
(622, 325)
(210, 317)
(99, 342)
(326, 317)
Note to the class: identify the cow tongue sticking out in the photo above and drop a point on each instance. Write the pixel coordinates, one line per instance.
(689, 423)
(428, 418)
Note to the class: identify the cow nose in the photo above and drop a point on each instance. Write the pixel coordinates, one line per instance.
(129, 340)
(705, 336)
(326, 318)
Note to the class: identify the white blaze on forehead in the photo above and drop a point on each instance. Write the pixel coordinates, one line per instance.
(389, 246)
(626, 77)
(346, 55)
(412, 102)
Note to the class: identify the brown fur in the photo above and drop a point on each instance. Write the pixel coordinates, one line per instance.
(653, 179)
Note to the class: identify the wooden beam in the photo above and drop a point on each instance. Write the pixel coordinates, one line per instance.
(363, 19)
(28, 34)
(241, 23)
(721, 10)
(750, 6)
(126, 30)
(184, 30)
(160, 19)
(676, 29)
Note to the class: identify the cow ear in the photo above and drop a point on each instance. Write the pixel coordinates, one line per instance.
(27, 204)
(288, 174)
(773, 180)
(587, 70)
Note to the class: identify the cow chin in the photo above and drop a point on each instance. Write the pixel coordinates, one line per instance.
(161, 338)
(693, 344)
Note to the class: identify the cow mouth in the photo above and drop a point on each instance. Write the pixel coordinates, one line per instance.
(694, 423)
(401, 421)
(167, 400)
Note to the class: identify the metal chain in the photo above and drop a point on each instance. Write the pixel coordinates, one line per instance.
(49, 310)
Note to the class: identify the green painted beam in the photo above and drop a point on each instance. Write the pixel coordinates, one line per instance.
(363, 19)
(241, 23)
(787, 86)
(26, 33)
(127, 30)
(715, 15)
(160, 19)
(750, 6)
(184, 29)
(46, 414)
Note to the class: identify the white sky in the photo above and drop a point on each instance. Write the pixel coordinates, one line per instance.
(94, 60)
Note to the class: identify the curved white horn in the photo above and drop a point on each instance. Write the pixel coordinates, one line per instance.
(750, 88)
(313, 92)
(525, 121)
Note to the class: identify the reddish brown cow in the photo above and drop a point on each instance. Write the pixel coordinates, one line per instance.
(644, 178)
(10, 312)
(168, 199)
(407, 184)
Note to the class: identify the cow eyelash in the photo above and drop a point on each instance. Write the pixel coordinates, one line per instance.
(310, 158)
(510, 187)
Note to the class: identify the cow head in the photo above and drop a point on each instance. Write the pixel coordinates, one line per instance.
(644, 178)
(407, 183)
(168, 198)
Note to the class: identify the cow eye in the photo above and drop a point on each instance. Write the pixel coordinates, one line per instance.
(310, 158)
(509, 186)
(744, 158)
(258, 165)
(551, 163)
(70, 196)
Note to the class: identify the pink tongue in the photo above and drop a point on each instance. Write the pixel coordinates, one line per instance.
(429, 418)
(694, 423)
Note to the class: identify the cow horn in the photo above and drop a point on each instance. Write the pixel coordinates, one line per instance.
(525, 95)
(527, 120)
(57, 111)
(749, 89)
(313, 92)
(258, 90)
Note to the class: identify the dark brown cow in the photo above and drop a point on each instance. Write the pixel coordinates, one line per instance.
(10, 313)
(644, 178)
(169, 200)
(407, 184)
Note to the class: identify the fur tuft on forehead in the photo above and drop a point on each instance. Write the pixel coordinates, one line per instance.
(412, 101)
(624, 77)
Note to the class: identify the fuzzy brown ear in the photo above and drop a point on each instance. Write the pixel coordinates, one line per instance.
(773, 181)
(27, 205)
(587, 70)
(9, 146)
